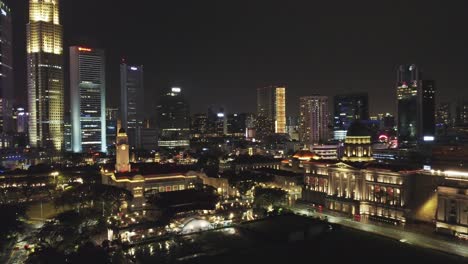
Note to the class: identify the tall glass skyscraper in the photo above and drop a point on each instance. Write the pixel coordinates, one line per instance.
(45, 75)
(88, 99)
(350, 107)
(416, 106)
(131, 96)
(173, 115)
(6, 75)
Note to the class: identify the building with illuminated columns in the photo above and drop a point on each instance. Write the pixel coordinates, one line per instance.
(88, 99)
(357, 147)
(45, 75)
(271, 110)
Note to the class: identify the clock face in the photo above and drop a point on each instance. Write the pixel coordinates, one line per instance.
(123, 147)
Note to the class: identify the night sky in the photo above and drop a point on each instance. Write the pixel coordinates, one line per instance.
(223, 50)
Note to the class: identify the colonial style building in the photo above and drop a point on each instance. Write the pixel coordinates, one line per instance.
(371, 191)
(357, 144)
(452, 206)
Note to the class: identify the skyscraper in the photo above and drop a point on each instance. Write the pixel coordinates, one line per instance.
(350, 107)
(45, 75)
(131, 96)
(88, 99)
(173, 120)
(416, 106)
(313, 119)
(271, 110)
(6, 74)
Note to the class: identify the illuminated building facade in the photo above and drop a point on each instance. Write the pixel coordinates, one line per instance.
(88, 99)
(6, 75)
(271, 110)
(45, 75)
(132, 96)
(443, 114)
(357, 147)
(173, 120)
(122, 151)
(313, 119)
(416, 106)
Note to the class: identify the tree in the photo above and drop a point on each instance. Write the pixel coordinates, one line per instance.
(269, 197)
(95, 195)
(11, 219)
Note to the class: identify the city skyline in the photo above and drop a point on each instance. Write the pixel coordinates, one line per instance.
(216, 71)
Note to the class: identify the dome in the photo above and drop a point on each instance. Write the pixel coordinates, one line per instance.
(358, 129)
(305, 155)
(121, 130)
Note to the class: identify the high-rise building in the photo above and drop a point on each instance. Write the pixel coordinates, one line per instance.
(236, 124)
(199, 125)
(132, 96)
(271, 110)
(350, 107)
(45, 75)
(173, 116)
(461, 118)
(313, 119)
(443, 114)
(416, 106)
(88, 99)
(6, 74)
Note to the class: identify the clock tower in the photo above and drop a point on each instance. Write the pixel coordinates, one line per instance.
(122, 159)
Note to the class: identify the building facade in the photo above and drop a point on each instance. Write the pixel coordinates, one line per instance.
(348, 108)
(45, 75)
(313, 119)
(88, 99)
(6, 76)
(132, 94)
(416, 106)
(173, 120)
(271, 110)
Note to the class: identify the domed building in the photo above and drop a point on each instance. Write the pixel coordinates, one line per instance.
(357, 147)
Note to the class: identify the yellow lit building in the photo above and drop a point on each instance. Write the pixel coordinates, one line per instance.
(271, 110)
(45, 75)
(358, 146)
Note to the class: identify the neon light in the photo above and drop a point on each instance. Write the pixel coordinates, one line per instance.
(428, 138)
(133, 68)
(84, 49)
(175, 89)
(220, 114)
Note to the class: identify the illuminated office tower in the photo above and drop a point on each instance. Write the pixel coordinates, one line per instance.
(6, 74)
(313, 119)
(173, 116)
(271, 110)
(416, 107)
(45, 75)
(88, 99)
(131, 96)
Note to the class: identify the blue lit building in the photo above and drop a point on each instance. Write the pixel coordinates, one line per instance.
(88, 99)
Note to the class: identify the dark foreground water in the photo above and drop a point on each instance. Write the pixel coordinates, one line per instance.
(239, 246)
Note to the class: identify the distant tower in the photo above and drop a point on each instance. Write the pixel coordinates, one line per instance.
(271, 110)
(416, 106)
(122, 159)
(313, 124)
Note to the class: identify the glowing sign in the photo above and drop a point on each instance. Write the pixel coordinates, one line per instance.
(383, 138)
(175, 89)
(428, 138)
(427, 167)
(3, 12)
(84, 49)
(133, 68)
(220, 114)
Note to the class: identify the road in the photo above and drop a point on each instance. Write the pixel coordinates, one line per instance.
(418, 239)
